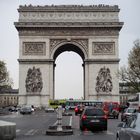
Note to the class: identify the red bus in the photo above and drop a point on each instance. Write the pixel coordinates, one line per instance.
(111, 109)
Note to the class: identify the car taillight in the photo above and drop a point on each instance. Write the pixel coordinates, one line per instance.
(84, 117)
(105, 116)
(76, 109)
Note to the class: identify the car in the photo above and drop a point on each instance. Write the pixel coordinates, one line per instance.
(93, 118)
(12, 109)
(78, 109)
(26, 110)
(4, 111)
(49, 109)
(129, 130)
(127, 113)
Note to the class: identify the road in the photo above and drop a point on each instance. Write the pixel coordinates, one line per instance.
(33, 127)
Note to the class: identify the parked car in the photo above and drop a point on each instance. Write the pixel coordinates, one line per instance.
(49, 109)
(129, 130)
(127, 113)
(4, 111)
(26, 110)
(78, 109)
(93, 118)
(12, 109)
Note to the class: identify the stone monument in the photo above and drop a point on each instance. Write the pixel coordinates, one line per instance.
(47, 31)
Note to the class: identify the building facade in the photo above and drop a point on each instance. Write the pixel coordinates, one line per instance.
(47, 31)
(9, 98)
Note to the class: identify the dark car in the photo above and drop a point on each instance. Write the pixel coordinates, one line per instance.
(93, 118)
(4, 111)
(79, 109)
(127, 113)
(129, 130)
(26, 110)
(12, 109)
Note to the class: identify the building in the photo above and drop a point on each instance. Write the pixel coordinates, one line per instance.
(9, 98)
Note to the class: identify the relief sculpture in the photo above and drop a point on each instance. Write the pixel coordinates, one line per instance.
(104, 81)
(103, 48)
(34, 48)
(34, 80)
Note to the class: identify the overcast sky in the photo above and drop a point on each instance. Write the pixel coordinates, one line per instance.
(66, 87)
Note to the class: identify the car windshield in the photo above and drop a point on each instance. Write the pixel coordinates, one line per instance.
(131, 110)
(94, 112)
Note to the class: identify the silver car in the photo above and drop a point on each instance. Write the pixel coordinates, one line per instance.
(129, 130)
(49, 109)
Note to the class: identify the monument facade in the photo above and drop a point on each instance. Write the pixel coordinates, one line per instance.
(47, 31)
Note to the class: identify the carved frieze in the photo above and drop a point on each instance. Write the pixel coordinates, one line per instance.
(81, 42)
(34, 48)
(103, 48)
(68, 16)
(104, 81)
(33, 81)
(69, 32)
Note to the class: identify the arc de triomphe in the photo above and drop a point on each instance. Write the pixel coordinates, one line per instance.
(47, 31)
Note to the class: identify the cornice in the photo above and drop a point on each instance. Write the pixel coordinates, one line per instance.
(36, 61)
(68, 24)
(69, 8)
(102, 61)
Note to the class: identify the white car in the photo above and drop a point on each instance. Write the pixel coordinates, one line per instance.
(49, 109)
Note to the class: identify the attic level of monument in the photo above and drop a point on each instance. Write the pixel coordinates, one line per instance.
(78, 8)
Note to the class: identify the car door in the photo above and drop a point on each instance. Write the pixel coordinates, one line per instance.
(135, 131)
(124, 133)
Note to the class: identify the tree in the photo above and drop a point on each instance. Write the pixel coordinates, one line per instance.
(5, 81)
(131, 74)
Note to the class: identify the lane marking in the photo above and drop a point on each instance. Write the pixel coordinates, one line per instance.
(70, 123)
(110, 133)
(18, 130)
(55, 123)
(29, 132)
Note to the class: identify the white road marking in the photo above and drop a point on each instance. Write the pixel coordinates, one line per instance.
(18, 130)
(55, 123)
(31, 132)
(110, 133)
(70, 123)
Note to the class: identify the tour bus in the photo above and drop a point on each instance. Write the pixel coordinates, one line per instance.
(55, 103)
(71, 104)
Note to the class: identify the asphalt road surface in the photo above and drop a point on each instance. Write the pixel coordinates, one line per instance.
(34, 126)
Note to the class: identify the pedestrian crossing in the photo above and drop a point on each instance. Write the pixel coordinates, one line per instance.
(18, 115)
(29, 132)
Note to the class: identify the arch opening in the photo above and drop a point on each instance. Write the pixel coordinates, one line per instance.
(68, 72)
(68, 47)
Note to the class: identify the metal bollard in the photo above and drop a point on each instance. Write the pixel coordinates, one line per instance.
(59, 118)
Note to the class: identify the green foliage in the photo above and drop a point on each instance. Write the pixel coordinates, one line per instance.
(131, 73)
(5, 81)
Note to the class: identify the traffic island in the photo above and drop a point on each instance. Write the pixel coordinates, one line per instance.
(53, 130)
(7, 130)
(59, 129)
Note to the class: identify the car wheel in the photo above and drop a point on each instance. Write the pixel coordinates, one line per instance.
(81, 128)
(117, 138)
(105, 128)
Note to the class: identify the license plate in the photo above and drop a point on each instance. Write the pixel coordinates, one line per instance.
(95, 121)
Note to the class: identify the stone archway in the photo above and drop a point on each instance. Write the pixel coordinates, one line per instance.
(76, 45)
(46, 31)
